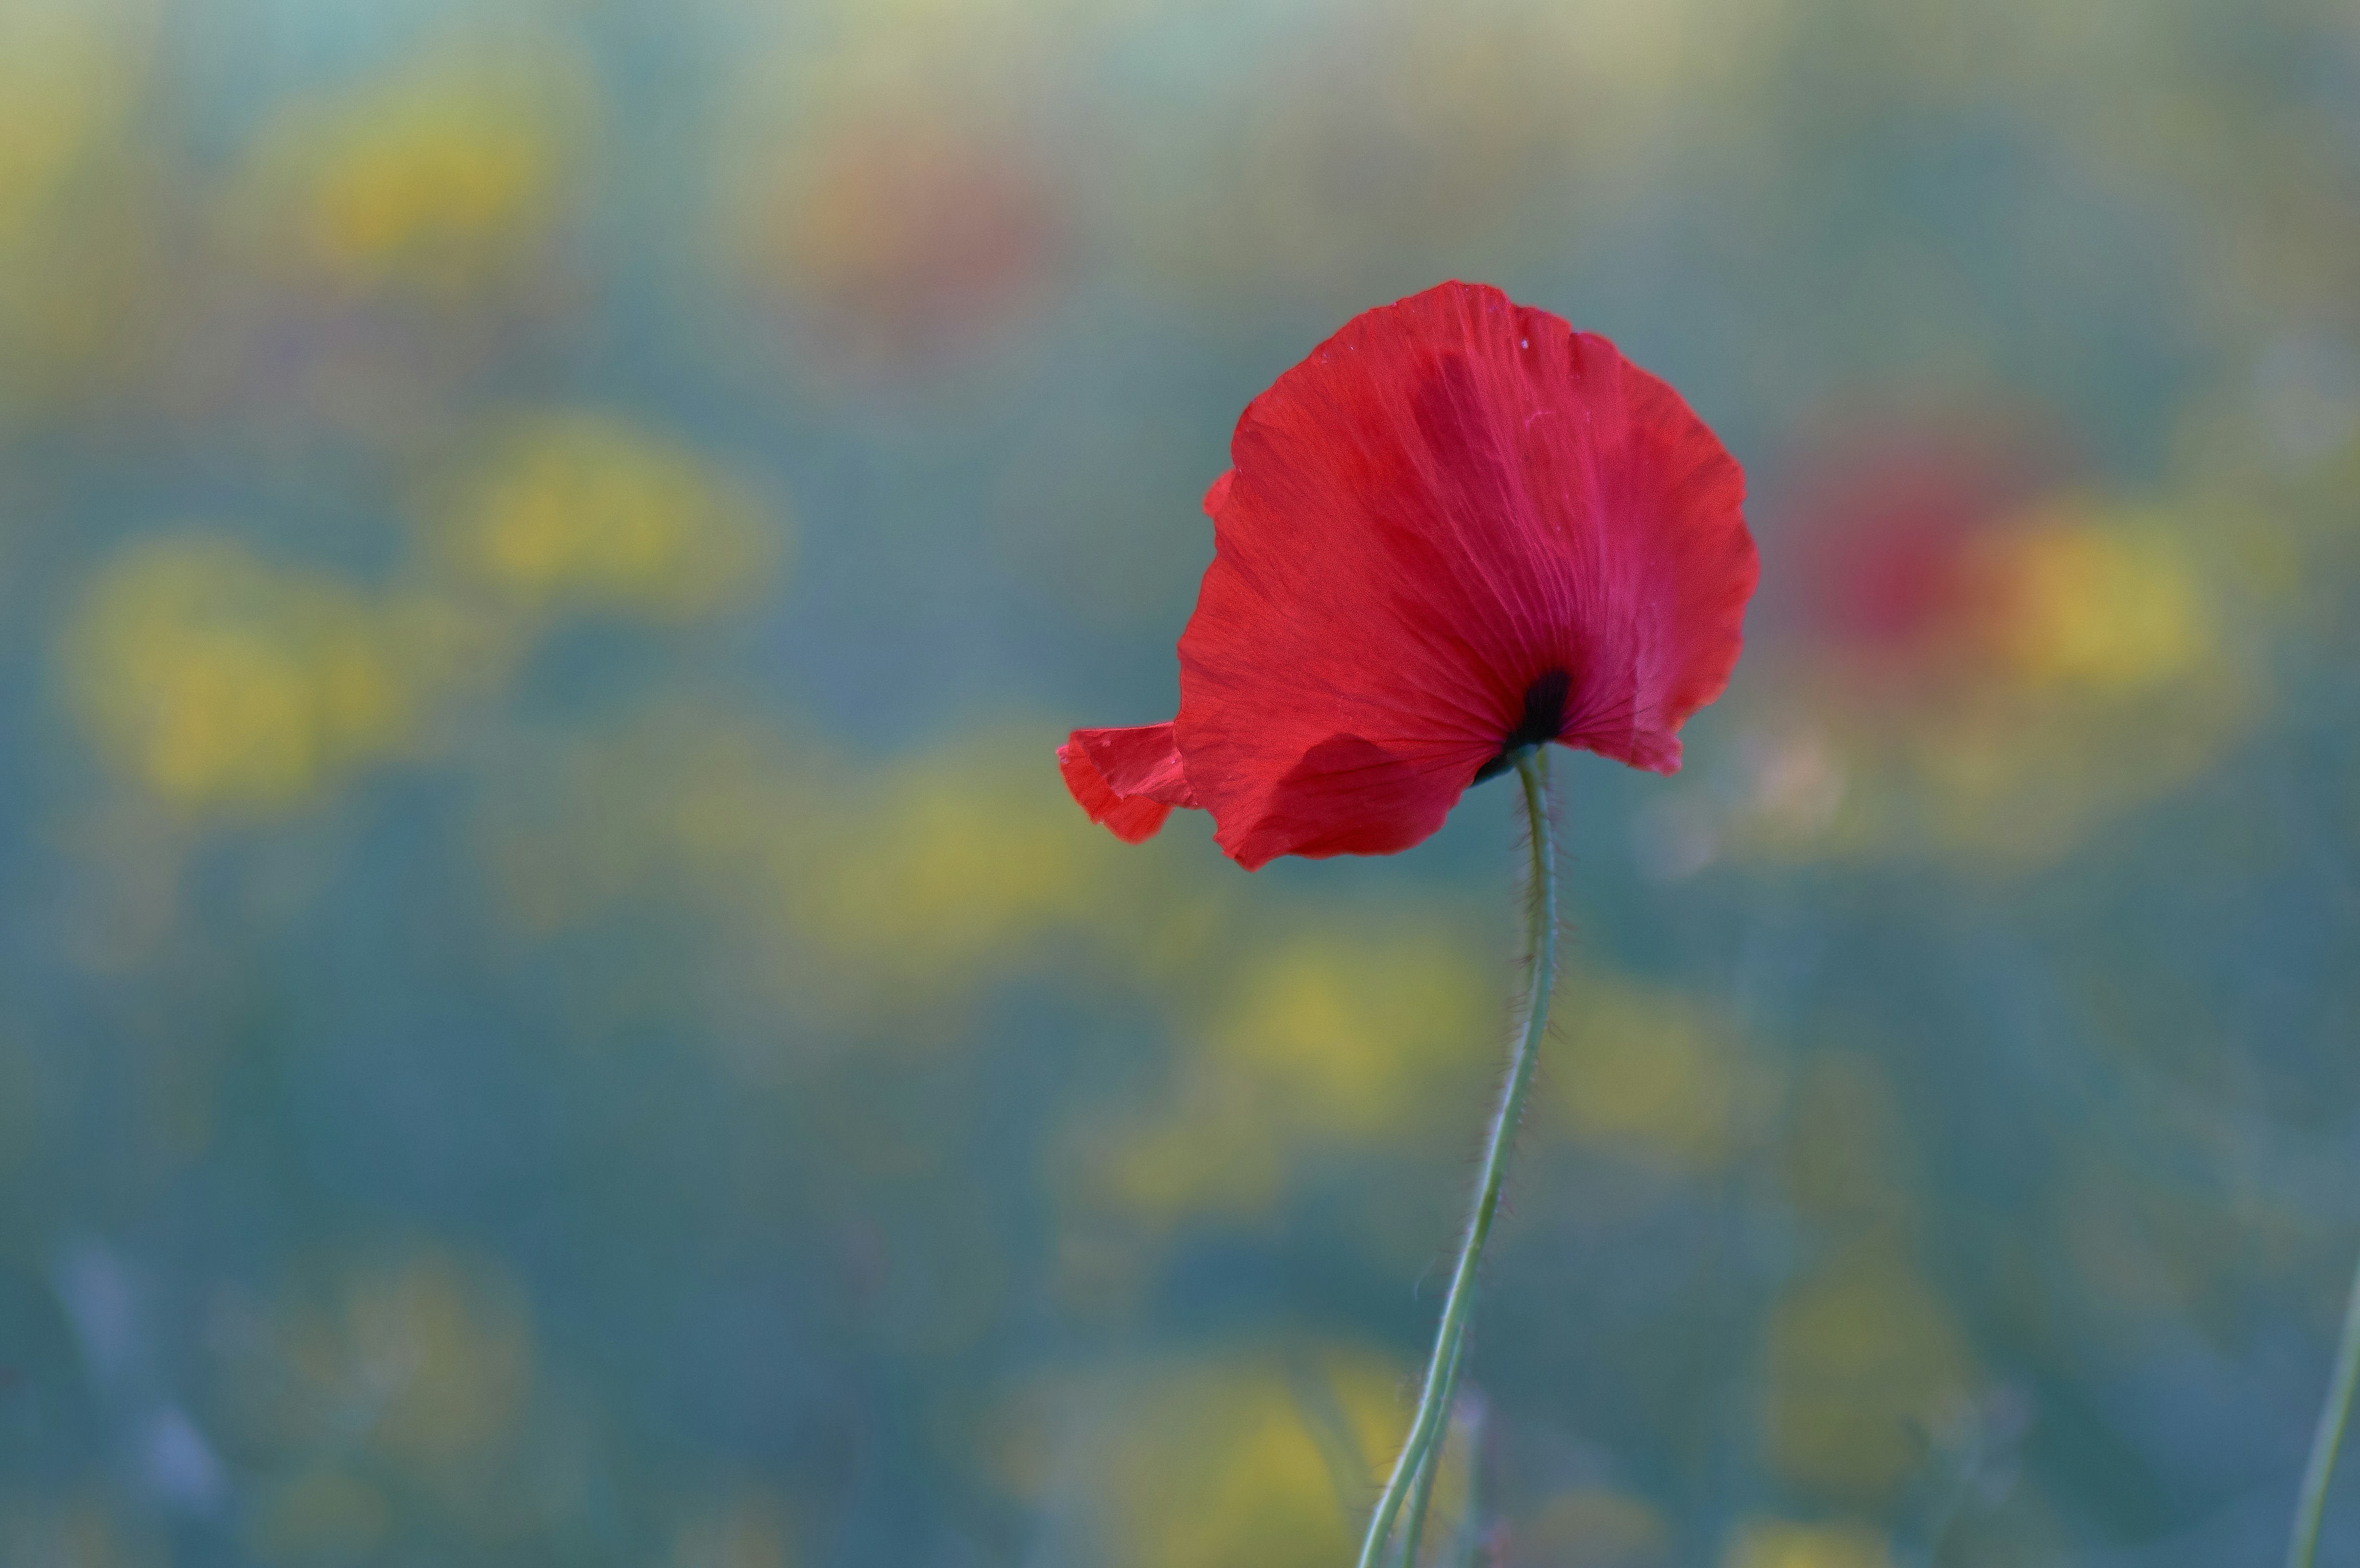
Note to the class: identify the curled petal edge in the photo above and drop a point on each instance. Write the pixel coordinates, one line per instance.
(1126, 780)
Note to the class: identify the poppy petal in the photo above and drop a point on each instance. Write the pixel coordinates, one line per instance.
(1457, 528)
(1217, 492)
(1142, 761)
(1128, 779)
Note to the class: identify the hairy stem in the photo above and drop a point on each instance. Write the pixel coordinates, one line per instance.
(2329, 1437)
(1432, 1419)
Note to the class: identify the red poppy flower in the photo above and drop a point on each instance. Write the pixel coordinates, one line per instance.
(1458, 529)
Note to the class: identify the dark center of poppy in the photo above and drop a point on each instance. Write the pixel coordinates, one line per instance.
(1543, 717)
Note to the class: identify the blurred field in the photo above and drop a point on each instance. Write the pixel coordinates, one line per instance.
(553, 1009)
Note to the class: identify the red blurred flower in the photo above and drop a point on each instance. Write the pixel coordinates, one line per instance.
(899, 236)
(1458, 529)
(1886, 529)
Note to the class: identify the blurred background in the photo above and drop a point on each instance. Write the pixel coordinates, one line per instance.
(554, 1010)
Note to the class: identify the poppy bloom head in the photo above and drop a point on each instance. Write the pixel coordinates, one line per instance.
(1458, 529)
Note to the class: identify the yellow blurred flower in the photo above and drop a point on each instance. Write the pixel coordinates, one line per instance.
(681, 798)
(1862, 1364)
(1328, 1040)
(1988, 664)
(68, 75)
(1389, 1039)
(2080, 599)
(1651, 1072)
(881, 897)
(927, 53)
(441, 178)
(421, 1357)
(576, 509)
(1779, 1543)
(1215, 1148)
(1356, 1036)
(448, 1349)
(950, 866)
(1439, 128)
(218, 681)
(1229, 1458)
(82, 210)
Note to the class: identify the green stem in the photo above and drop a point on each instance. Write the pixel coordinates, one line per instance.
(1433, 1407)
(2329, 1437)
(1413, 1527)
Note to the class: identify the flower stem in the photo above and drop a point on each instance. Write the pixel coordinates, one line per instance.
(1427, 1427)
(2329, 1437)
(1422, 1494)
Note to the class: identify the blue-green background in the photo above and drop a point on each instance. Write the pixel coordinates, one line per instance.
(553, 1009)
